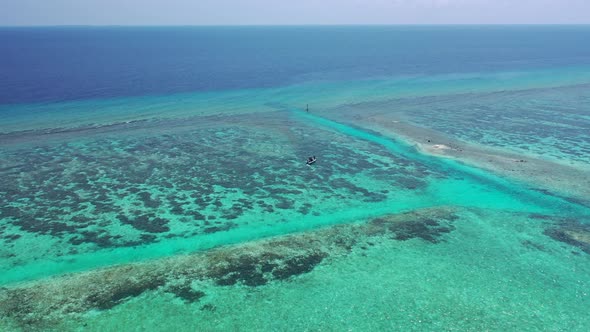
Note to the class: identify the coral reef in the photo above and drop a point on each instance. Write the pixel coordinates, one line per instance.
(253, 264)
(86, 194)
(572, 232)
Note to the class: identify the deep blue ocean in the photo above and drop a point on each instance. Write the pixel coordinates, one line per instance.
(49, 64)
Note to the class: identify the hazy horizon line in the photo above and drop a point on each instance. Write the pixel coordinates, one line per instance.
(291, 25)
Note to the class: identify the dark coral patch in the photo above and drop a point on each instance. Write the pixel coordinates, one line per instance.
(208, 307)
(304, 209)
(532, 245)
(98, 238)
(540, 216)
(11, 212)
(44, 226)
(11, 237)
(298, 265)
(186, 292)
(428, 228)
(259, 270)
(118, 293)
(146, 223)
(147, 238)
(26, 305)
(81, 220)
(147, 199)
(225, 227)
(374, 197)
(244, 269)
(285, 204)
(571, 232)
(410, 183)
(341, 183)
(198, 216)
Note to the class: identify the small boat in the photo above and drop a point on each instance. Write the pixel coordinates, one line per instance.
(311, 161)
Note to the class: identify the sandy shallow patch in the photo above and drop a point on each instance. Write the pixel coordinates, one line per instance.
(548, 175)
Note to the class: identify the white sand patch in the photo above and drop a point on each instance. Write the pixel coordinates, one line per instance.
(440, 147)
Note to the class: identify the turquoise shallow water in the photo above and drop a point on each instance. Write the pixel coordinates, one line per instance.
(546, 123)
(494, 271)
(375, 235)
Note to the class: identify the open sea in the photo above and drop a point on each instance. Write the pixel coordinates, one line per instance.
(154, 178)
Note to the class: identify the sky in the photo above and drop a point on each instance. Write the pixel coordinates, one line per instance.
(291, 12)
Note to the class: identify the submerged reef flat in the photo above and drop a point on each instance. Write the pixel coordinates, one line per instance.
(550, 176)
(40, 304)
(423, 269)
(571, 232)
(145, 182)
(513, 133)
(522, 121)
